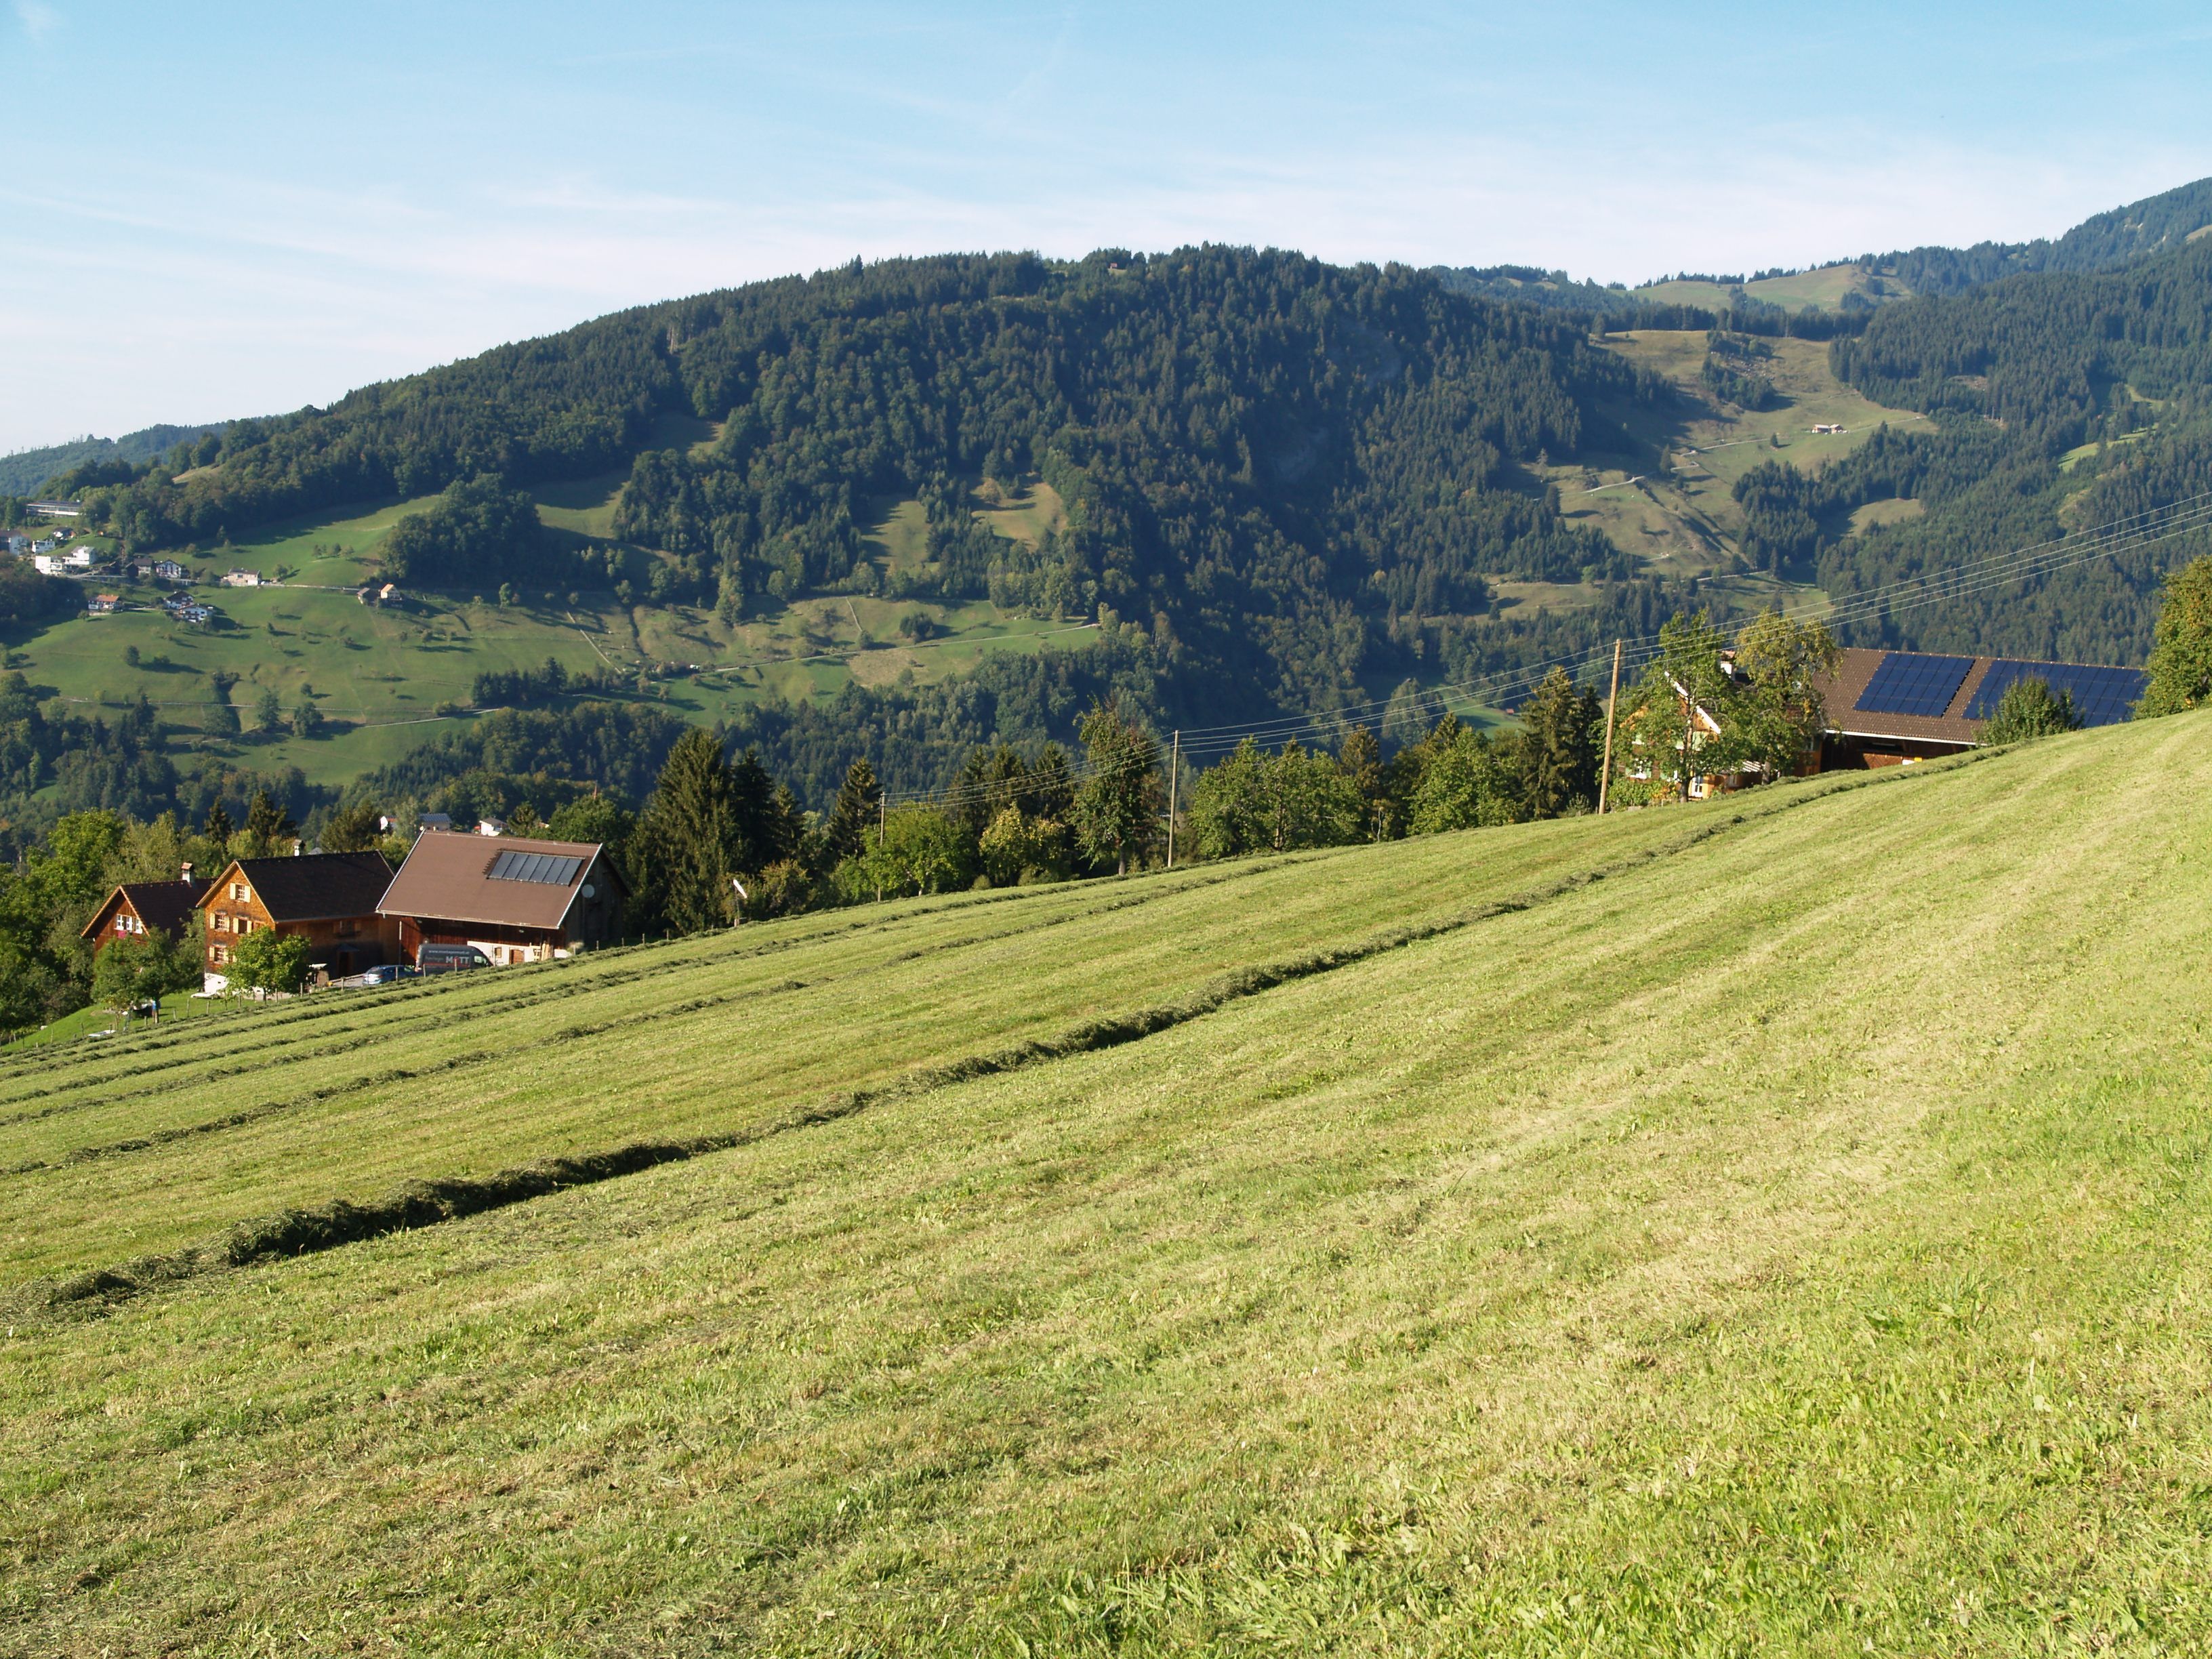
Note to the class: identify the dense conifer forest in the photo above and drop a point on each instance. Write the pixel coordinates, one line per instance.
(1267, 461)
(2059, 403)
(2108, 241)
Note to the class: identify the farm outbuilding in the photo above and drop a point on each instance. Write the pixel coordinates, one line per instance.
(515, 898)
(1886, 707)
(137, 909)
(329, 899)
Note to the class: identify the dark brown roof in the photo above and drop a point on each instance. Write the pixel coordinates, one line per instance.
(163, 906)
(448, 877)
(1855, 666)
(313, 887)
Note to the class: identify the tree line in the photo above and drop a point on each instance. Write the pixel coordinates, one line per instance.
(718, 839)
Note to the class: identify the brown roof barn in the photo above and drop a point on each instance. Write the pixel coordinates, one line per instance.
(329, 899)
(515, 898)
(1888, 706)
(138, 908)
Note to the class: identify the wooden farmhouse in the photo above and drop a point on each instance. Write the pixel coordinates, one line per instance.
(139, 909)
(515, 898)
(1640, 735)
(329, 899)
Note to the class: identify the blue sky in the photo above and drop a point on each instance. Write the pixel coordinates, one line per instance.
(234, 209)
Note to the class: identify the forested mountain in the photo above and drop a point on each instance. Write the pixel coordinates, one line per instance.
(1271, 465)
(1553, 290)
(1285, 485)
(2050, 351)
(28, 469)
(2125, 235)
(2061, 402)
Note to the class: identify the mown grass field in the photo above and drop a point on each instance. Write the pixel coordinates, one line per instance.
(1773, 1227)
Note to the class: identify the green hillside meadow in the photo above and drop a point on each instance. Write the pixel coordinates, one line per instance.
(1773, 1226)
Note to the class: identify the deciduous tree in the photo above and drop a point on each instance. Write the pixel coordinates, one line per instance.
(267, 961)
(2029, 709)
(1117, 807)
(2181, 660)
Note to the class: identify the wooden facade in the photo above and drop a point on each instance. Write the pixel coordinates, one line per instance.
(329, 899)
(140, 909)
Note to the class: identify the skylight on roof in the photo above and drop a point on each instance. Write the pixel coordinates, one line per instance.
(546, 869)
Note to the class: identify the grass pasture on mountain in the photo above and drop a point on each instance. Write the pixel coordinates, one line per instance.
(1680, 519)
(379, 674)
(1793, 1241)
(1822, 289)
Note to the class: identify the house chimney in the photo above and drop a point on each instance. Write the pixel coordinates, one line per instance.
(187, 874)
(298, 846)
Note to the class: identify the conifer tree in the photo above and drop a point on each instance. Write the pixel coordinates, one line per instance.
(1117, 809)
(689, 840)
(267, 826)
(853, 818)
(1361, 757)
(1559, 757)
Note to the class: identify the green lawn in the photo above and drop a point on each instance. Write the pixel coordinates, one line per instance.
(100, 1023)
(1793, 1241)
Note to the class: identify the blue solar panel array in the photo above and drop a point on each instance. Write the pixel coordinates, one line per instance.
(1906, 683)
(548, 869)
(2102, 697)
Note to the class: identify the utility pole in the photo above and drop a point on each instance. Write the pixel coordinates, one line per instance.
(1612, 702)
(1175, 774)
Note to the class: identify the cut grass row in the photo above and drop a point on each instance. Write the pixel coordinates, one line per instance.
(709, 1037)
(1796, 1245)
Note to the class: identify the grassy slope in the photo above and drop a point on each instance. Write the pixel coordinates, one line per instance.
(1682, 521)
(1820, 289)
(1797, 1243)
(379, 675)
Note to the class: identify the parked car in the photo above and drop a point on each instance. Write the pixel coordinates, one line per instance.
(450, 958)
(385, 974)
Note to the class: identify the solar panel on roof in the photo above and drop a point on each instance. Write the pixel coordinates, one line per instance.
(2102, 695)
(548, 869)
(1907, 682)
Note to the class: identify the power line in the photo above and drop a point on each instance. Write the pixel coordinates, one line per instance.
(2135, 531)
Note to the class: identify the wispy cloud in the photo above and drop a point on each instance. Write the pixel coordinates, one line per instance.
(38, 19)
